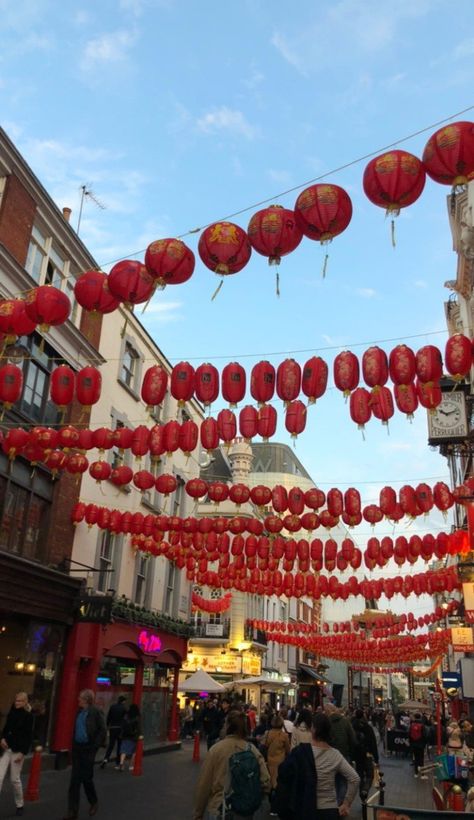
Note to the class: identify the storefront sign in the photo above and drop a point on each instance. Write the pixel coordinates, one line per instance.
(252, 665)
(468, 593)
(462, 638)
(96, 609)
(229, 664)
(397, 741)
(149, 643)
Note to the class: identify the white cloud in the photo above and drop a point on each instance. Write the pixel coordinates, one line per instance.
(464, 49)
(107, 49)
(366, 293)
(226, 119)
(288, 53)
(420, 283)
(254, 79)
(282, 177)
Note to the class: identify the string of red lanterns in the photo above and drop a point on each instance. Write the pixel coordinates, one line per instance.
(202, 604)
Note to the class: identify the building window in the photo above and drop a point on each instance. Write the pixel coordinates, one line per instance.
(106, 561)
(142, 564)
(25, 503)
(129, 367)
(35, 402)
(178, 497)
(48, 266)
(169, 591)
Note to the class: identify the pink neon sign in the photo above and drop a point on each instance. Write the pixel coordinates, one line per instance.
(149, 643)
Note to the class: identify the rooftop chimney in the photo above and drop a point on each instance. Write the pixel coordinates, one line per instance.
(67, 214)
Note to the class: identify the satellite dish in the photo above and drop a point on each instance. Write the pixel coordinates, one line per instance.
(206, 461)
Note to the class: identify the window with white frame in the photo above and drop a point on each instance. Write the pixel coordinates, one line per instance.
(47, 265)
(142, 569)
(106, 561)
(129, 366)
(170, 589)
(178, 497)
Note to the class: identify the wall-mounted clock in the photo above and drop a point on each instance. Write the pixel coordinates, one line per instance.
(449, 421)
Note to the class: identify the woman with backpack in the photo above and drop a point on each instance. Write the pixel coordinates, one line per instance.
(234, 772)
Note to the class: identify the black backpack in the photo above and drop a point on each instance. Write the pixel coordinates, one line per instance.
(245, 794)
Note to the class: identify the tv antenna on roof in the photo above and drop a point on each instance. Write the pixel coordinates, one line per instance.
(86, 191)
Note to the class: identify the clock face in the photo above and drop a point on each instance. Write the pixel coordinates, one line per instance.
(449, 418)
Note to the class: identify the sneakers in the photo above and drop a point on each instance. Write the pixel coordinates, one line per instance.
(423, 777)
(119, 768)
(103, 763)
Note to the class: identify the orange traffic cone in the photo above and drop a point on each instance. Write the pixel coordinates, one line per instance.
(32, 789)
(197, 747)
(138, 762)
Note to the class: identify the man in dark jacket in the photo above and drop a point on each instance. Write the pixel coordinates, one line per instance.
(343, 739)
(15, 744)
(89, 734)
(417, 737)
(296, 790)
(114, 725)
(366, 751)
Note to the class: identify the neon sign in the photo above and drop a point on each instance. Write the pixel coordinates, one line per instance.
(149, 643)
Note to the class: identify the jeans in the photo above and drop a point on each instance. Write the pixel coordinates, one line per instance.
(7, 759)
(82, 773)
(418, 757)
(114, 738)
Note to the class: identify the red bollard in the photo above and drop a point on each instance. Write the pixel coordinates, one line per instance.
(32, 790)
(138, 762)
(197, 747)
(456, 799)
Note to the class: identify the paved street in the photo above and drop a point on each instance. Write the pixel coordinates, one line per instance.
(165, 790)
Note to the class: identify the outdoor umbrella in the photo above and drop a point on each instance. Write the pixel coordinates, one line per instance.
(200, 681)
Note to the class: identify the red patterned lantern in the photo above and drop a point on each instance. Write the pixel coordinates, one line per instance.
(130, 282)
(140, 443)
(406, 398)
(196, 488)
(402, 365)
(15, 442)
(233, 383)
(330, 553)
(14, 320)
(77, 463)
(323, 211)
(47, 307)
(182, 382)
(267, 421)
(295, 418)
(429, 364)
(209, 434)
(226, 425)
(314, 498)
(123, 437)
(169, 262)
(310, 521)
(375, 366)
(424, 498)
(387, 500)
(88, 386)
(352, 502)
(188, 437)
(327, 520)
(346, 372)
(442, 496)
(103, 438)
(171, 436)
(273, 232)
(429, 394)
(335, 502)
(260, 495)
(85, 440)
(100, 470)
(239, 494)
(92, 292)
(262, 382)
(217, 492)
(206, 386)
(394, 180)
(56, 461)
(279, 498)
(288, 383)
(248, 422)
(166, 484)
(360, 407)
(449, 154)
(315, 378)
(372, 514)
(458, 356)
(296, 501)
(381, 403)
(122, 475)
(154, 385)
(11, 385)
(224, 248)
(62, 386)
(407, 500)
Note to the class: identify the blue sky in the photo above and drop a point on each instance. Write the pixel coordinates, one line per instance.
(179, 113)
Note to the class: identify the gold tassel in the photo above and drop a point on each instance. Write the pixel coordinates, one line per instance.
(325, 265)
(217, 290)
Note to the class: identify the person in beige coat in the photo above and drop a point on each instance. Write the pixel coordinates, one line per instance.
(277, 744)
(302, 731)
(214, 776)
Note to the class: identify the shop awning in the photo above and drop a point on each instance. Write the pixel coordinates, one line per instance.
(266, 683)
(201, 681)
(312, 673)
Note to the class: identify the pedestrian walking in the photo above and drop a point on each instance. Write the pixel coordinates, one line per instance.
(343, 739)
(188, 720)
(15, 744)
(131, 729)
(114, 725)
(89, 733)
(366, 750)
(417, 738)
(277, 744)
(302, 729)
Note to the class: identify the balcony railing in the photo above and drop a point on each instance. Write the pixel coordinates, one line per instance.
(255, 635)
(207, 630)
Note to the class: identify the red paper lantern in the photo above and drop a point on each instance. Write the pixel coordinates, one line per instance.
(323, 211)
(217, 492)
(429, 394)
(76, 463)
(166, 484)
(171, 436)
(394, 180)
(140, 443)
(209, 434)
(188, 437)
(375, 367)
(261, 495)
(154, 385)
(239, 494)
(372, 514)
(56, 461)
(100, 470)
(267, 421)
(387, 500)
(314, 498)
(130, 282)
(458, 356)
(429, 364)
(315, 378)
(14, 320)
(62, 386)
(449, 154)
(402, 365)
(47, 307)
(346, 372)
(288, 382)
(424, 498)
(206, 386)
(122, 475)
(273, 232)
(226, 425)
(233, 383)
(248, 422)
(407, 500)
(381, 403)
(182, 382)
(352, 502)
(123, 438)
(88, 386)
(11, 385)
(14, 442)
(327, 520)
(310, 521)
(406, 398)
(169, 262)
(224, 248)
(85, 440)
(103, 438)
(296, 501)
(196, 488)
(295, 418)
(335, 502)
(279, 498)
(262, 382)
(360, 407)
(442, 496)
(91, 290)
